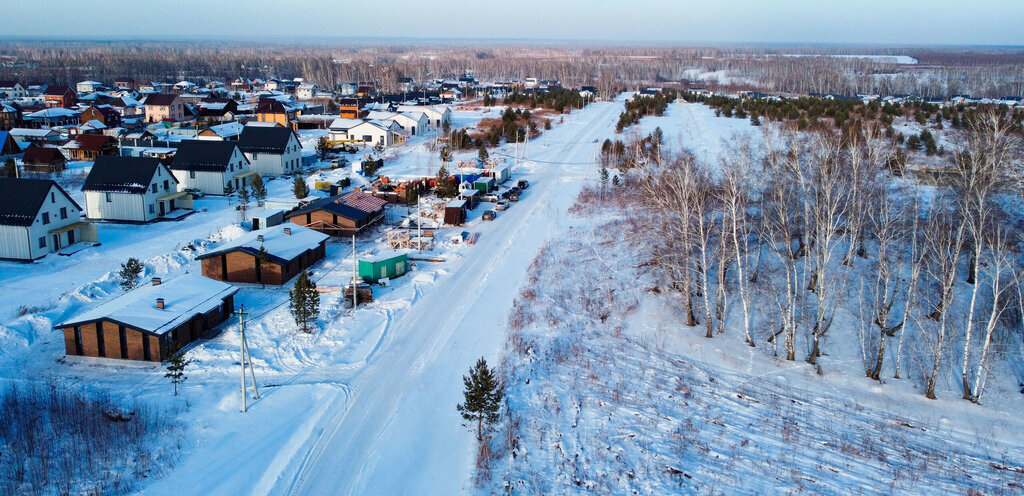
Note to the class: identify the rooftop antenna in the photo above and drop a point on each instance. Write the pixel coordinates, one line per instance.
(246, 359)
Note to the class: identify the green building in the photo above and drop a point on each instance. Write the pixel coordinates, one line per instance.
(387, 265)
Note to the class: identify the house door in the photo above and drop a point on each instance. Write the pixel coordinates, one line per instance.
(162, 210)
(56, 242)
(255, 223)
(71, 237)
(383, 272)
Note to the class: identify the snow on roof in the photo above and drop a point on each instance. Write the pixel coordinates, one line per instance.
(379, 115)
(345, 123)
(52, 112)
(184, 297)
(382, 256)
(35, 133)
(281, 248)
(456, 204)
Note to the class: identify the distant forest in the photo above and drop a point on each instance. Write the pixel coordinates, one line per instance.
(938, 73)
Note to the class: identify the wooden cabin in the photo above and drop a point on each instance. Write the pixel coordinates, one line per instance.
(43, 159)
(289, 248)
(342, 215)
(147, 322)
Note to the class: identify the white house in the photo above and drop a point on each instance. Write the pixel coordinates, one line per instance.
(376, 132)
(13, 89)
(211, 166)
(132, 189)
(271, 150)
(305, 91)
(38, 217)
(436, 116)
(413, 123)
(339, 128)
(87, 86)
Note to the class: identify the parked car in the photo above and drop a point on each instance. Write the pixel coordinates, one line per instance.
(501, 205)
(514, 197)
(489, 215)
(491, 197)
(523, 184)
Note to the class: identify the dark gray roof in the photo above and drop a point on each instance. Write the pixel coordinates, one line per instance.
(337, 206)
(203, 155)
(20, 199)
(160, 99)
(264, 139)
(121, 174)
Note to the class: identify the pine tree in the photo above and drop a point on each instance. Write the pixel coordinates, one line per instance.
(261, 261)
(229, 189)
(299, 187)
(444, 187)
(322, 148)
(604, 176)
(304, 302)
(129, 273)
(484, 394)
(259, 190)
(10, 168)
(243, 202)
(482, 155)
(176, 366)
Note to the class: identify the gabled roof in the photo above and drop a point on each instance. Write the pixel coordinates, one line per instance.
(203, 155)
(184, 297)
(344, 124)
(264, 139)
(121, 174)
(90, 142)
(160, 99)
(36, 154)
(8, 145)
(281, 248)
(57, 90)
(271, 106)
(353, 206)
(20, 199)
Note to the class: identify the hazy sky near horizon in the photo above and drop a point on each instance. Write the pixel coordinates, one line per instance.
(877, 22)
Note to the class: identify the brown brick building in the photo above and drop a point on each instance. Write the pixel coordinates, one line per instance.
(146, 322)
(289, 249)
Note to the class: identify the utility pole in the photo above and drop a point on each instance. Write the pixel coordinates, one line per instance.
(419, 224)
(355, 274)
(246, 359)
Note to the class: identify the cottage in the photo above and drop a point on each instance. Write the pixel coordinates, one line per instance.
(125, 82)
(289, 249)
(12, 89)
(271, 150)
(9, 147)
(41, 135)
(274, 111)
(103, 113)
(88, 86)
(455, 212)
(217, 109)
(339, 128)
(38, 217)
(89, 146)
(10, 116)
(43, 159)
(386, 265)
(50, 117)
(148, 322)
(376, 133)
(436, 116)
(162, 107)
(132, 189)
(340, 215)
(305, 91)
(229, 131)
(211, 166)
(59, 96)
(412, 123)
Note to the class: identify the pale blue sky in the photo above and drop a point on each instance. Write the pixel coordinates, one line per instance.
(927, 22)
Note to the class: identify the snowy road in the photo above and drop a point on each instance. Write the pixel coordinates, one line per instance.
(400, 432)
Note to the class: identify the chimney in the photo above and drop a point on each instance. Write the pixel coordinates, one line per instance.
(288, 231)
(160, 303)
(259, 238)
(156, 281)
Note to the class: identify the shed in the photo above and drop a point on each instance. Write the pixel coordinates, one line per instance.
(267, 218)
(484, 185)
(500, 174)
(472, 197)
(386, 265)
(455, 212)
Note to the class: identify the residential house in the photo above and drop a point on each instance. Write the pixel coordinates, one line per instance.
(289, 250)
(38, 217)
(88, 86)
(132, 189)
(150, 321)
(12, 89)
(41, 135)
(436, 116)
(412, 123)
(375, 133)
(126, 106)
(125, 82)
(59, 96)
(305, 91)
(406, 84)
(340, 215)
(89, 146)
(43, 159)
(103, 113)
(277, 112)
(161, 107)
(10, 116)
(350, 108)
(349, 88)
(50, 117)
(9, 147)
(271, 150)
(229, 131)
(339, 128)
(217, 109)
(211, 166)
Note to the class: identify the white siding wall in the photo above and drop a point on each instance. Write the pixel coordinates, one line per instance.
(212, 183)
(122, 206)
(23, 243)
(273, 164)
(15, 242)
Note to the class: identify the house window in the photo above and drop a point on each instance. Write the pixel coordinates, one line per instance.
(63, 212)
(53, 199)
(46, 218)
(192, 174)
(159, 172)
(152, 208)
(109, 197)
(154, 187)
(367, 138)
(42, 241)
(167, 185)
(255, 155)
